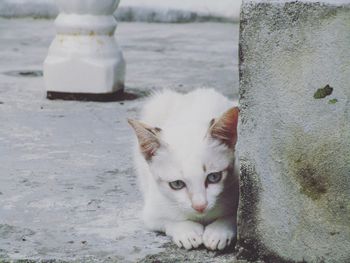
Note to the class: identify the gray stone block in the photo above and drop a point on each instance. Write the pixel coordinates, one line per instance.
(295, 131)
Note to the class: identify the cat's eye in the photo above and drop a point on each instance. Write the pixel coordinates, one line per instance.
(177, 185)
(214, 178)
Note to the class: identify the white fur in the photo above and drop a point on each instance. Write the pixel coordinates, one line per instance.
(185, 149)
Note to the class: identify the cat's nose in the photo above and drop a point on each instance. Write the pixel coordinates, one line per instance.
(200, 208)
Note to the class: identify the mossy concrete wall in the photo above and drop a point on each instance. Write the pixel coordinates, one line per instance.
(295, 131)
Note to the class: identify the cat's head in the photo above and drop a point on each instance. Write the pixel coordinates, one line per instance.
(190, 167)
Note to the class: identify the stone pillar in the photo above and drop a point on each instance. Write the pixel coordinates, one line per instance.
(295, 131)
(84, 60)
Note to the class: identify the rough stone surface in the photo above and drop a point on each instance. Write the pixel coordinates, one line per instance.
(295, 131)
(67, 185)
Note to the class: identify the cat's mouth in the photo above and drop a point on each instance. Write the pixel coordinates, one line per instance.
(199, 214)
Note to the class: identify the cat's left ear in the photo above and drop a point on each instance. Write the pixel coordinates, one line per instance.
(148, 138)
(225, 127)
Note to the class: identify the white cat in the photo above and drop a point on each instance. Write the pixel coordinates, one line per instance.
(187, 168)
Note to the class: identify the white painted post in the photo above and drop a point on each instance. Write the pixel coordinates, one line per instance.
(84, 59)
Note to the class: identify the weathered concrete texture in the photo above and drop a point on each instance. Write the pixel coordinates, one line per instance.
(67, 186)
(295, 131)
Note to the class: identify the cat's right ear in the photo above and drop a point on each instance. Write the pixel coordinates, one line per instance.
(225, 127)
(148, 138)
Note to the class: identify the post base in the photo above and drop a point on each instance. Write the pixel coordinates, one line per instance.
(119, 95)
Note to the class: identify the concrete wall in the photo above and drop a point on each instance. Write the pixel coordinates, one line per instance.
(295, 131)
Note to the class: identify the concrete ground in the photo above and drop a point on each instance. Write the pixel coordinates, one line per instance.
(67, 185)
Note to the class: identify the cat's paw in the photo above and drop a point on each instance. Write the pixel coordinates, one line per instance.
(219, 234)
(186, 234)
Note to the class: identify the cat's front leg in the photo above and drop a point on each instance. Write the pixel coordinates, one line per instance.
(186, 234)
(220, 233)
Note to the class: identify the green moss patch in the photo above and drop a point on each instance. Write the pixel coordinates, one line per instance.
(332, 101)
(323, 92)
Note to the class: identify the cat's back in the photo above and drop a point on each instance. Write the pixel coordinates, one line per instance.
(197, 106)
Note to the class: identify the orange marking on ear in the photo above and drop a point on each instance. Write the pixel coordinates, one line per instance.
(147, 138)
(225, 128)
